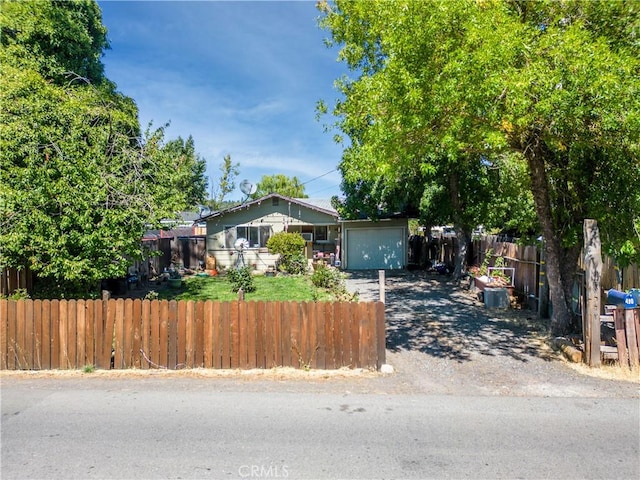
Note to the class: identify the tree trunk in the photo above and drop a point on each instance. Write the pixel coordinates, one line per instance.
(556, 261)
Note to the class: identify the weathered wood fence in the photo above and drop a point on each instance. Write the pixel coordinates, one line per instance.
(624, 346)
(127, 333)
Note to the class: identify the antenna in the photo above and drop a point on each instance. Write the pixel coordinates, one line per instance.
(247, 188)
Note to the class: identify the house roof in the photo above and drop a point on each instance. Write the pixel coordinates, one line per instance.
(322, 206)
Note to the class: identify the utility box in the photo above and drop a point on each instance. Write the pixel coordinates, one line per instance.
(496, 297)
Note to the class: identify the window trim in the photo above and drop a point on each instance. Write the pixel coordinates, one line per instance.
(262, 231)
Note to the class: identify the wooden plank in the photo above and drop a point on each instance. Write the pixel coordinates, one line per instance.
(20, 335)
(81, 338)
(119, 333)
(173, 335)
(278, 314)
(145, 333)
(357, 330)
(252, 333)
(593, 274)
(137, 334)
(243, 335)
(608, 353)
(127, 334)
(270, 335)
(29, 330)
(312, 333)
(63, 335)
(72, 335)
(207, 334)
(381, 337)
(632, 345)
(347, 353)
(216, 327)
(12, 328)
(181, 358)
(99, 315)
(45, 339)
(321, 351)
(37, 335)
(89, 340)
(329, 336)
(371, 347)
(109, 341)
(163, 334)
(235, 334)
(189, 333)
(288, 325)
(225, 334)
(55, 334)
(198, 361)
(621, 336)
(4, 341)
(261, 359)
(153, 352)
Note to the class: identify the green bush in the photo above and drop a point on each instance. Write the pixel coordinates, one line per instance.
(326, 277)
(241, 278)
(290, 247)
(294, 265)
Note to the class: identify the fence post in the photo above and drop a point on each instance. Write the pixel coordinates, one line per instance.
(593, 273)
(381, 285)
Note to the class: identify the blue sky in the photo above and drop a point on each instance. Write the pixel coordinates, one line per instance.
(241, 77)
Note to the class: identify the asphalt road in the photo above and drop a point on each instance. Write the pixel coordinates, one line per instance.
(89, 427)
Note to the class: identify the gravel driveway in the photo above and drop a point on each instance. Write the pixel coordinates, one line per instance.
(442, 340)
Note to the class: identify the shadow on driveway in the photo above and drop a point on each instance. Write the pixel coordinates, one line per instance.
(432, 314)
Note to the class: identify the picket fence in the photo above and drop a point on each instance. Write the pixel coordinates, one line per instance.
(127, 333)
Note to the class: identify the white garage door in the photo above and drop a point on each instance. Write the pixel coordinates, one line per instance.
(375, 248)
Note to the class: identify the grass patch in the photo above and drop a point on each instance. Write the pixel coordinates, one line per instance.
(279, 288)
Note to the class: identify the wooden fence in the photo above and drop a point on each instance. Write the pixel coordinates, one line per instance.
(624, 344)
(127, 333)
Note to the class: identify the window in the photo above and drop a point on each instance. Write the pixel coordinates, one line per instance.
(257, 235)
(320, 233)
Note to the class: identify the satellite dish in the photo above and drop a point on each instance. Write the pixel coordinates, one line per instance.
(204, 211)
(247, 187)
(241, 244)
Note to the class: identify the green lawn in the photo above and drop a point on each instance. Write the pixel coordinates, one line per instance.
(279, 288)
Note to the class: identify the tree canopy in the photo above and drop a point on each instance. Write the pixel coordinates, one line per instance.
(485, 109)
(279, 183)
(79, 182)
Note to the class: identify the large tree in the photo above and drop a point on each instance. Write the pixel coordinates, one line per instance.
(449, 88)
(79, 182)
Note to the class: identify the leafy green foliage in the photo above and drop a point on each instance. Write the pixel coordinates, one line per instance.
(290, 248)
(495, 109)
(287, 186)
(225, 184)
(54, 38)
(327, 277)
(79, 183)
(241, 278)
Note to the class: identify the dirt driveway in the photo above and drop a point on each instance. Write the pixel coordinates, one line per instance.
(442, 340)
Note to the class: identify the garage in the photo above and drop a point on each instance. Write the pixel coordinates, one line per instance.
(375, 248)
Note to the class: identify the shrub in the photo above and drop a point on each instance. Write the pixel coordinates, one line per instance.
(290, 247)
(326, 277)
(333, 280)
(241, 278)
(295, 265)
